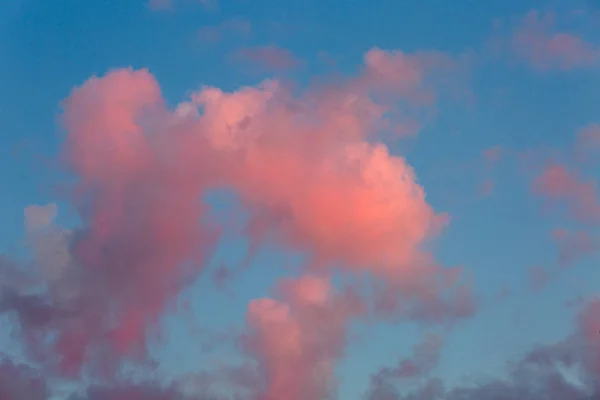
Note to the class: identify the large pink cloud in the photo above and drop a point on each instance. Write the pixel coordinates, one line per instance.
(143, 234)
(346, 201)
(313, 177)
(307, 168)
(332, 193)
(142, 238)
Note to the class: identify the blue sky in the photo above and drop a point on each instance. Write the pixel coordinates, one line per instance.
(48, 48)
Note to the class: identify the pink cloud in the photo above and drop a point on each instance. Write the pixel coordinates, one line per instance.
(487, 187)
(504, 293)
(335, 218)
(236, 27)
(539, 277)
(537, 42)
(588, 323)
(160, 5)
(163, 5)
(416, 76)
(587, 142)
(306, 168)
(492, 155)
(313, 178)
(573, 245)
(560, 185)
(416, 81)
(130, 259)
(269, 58)
(210, 5)
(403, 71)
(296, 341)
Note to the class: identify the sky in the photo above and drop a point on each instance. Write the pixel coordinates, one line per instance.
(316, 200)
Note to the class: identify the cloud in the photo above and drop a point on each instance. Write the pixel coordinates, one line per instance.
(487, 187)
(539, 277)
(268, 58)
(128, 259)
(587, 142)
(19, 382)
(22, 382)
(233, 27)
(40, 217)
(425, 358)
(492, 155)
(416, 76)
(164, 5)
(126, 391)
(573, 245)
(563, 186)
(307, 169)
(564, 370)
(49, 243)
(313, 177)
(355, 195)
(537, 42)
(160, 5)
(210, 5)
(297, 340)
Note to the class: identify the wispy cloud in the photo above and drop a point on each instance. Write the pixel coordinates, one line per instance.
(269, 58)
(537, 41)
(233, 27)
